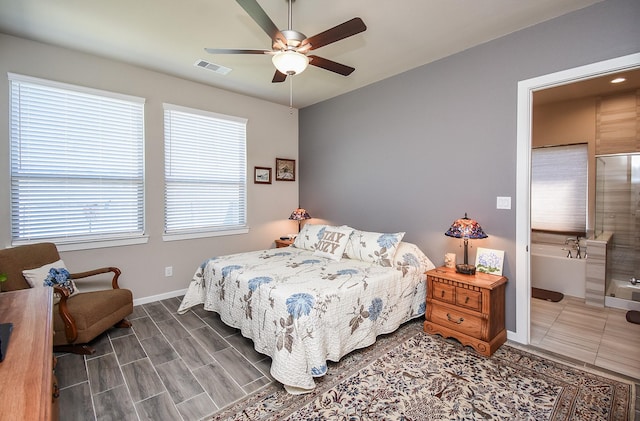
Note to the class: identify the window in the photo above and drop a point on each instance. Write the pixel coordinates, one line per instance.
(77, 163)
(559, 188)
(205, 173)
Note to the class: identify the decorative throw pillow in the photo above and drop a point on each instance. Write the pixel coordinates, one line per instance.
(50, 274)
(409, 258)
(309, 236)
(333, 242)
(373, 247)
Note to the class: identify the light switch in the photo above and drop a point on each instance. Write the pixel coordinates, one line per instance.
(503, 202)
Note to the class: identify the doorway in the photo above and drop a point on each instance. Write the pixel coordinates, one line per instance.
(526, 89)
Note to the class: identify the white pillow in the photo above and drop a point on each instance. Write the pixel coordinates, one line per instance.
(35, 277)
(309, 236)
(375, 247)
(410, 258)
(333, 242)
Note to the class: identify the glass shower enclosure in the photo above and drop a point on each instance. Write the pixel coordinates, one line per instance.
(617, 211)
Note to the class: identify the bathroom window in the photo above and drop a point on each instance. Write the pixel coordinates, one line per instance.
(559, 188)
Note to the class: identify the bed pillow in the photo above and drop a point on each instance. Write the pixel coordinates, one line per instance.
(410, 258)
(373, 247)
(52, 273)
(309, 236)
(333, 242)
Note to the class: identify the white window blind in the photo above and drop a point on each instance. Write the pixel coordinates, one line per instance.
(559, 188)
(205, 172)
(77, 164)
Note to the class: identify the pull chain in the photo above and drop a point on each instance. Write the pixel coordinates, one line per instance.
(290, 94)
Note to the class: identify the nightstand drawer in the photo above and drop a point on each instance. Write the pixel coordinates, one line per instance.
(469, 299)
(456, 320)
(444, 292)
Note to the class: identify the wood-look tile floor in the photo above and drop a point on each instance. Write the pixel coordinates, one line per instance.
(166, 367)
(184, 367)
(595, 336)
(598, 336)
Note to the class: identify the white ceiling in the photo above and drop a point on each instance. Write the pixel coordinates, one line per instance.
(169, 36)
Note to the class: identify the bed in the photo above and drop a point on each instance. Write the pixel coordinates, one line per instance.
(334, 290)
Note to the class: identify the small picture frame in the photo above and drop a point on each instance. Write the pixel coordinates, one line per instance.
(262, 175)
(489, 261)
(285, 169)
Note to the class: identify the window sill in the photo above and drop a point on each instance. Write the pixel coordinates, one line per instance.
(71, 245)
(194, 235)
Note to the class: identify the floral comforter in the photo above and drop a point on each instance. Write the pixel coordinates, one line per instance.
(303, 310)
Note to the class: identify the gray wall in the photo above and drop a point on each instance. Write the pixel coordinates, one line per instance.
(418, 150)
(143, 265)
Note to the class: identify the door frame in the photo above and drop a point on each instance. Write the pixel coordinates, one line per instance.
(526, 88)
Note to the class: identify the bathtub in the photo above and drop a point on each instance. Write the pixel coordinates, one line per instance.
(624, 290)
(551, 269)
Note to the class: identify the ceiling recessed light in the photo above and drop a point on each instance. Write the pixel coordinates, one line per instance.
(618, 80)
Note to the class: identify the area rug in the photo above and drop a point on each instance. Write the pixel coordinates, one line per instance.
(412, 376)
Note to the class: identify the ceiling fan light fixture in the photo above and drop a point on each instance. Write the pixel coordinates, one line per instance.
(290, 62)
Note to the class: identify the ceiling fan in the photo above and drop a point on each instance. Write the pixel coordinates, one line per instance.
(290, 48)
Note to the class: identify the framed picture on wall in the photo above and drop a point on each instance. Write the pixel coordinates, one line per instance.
(285, 169)
(262, 175)
(489, 261)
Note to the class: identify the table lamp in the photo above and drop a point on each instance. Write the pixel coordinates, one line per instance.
(466, 229)
(299, 215)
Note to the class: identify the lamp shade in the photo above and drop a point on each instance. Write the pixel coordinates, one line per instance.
(299, 215)
(290, 62)
(465, 228)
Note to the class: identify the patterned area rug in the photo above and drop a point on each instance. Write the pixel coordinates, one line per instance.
(410, 375)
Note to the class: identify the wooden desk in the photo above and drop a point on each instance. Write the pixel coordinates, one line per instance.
(26, 374)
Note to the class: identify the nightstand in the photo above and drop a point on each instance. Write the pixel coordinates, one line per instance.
(469, 308)
(283, 243)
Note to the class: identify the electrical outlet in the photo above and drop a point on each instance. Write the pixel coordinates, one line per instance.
(168, 271)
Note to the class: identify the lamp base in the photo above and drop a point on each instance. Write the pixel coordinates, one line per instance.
(466, 269)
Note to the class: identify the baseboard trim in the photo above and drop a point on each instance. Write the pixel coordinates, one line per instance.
(164, 296)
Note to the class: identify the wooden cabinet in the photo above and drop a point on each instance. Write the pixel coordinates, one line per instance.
(26, 374)
(283, 243)
(469, 308)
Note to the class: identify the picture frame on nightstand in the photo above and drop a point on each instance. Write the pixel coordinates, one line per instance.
(489, 261)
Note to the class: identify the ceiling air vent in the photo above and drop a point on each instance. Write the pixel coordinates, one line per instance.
(213, 67)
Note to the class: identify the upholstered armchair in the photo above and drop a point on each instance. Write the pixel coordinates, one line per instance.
(78, 317)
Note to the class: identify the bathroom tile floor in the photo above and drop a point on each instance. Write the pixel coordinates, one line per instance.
(600, 337)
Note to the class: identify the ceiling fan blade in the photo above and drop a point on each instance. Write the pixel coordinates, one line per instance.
(278, 77)
(332, 66)
(258, 14)
(235, 51)
(342, 31)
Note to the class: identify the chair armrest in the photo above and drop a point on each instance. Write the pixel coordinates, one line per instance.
(114, 281)
(70, 328)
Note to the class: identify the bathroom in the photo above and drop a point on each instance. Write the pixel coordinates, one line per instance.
(585, 191)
